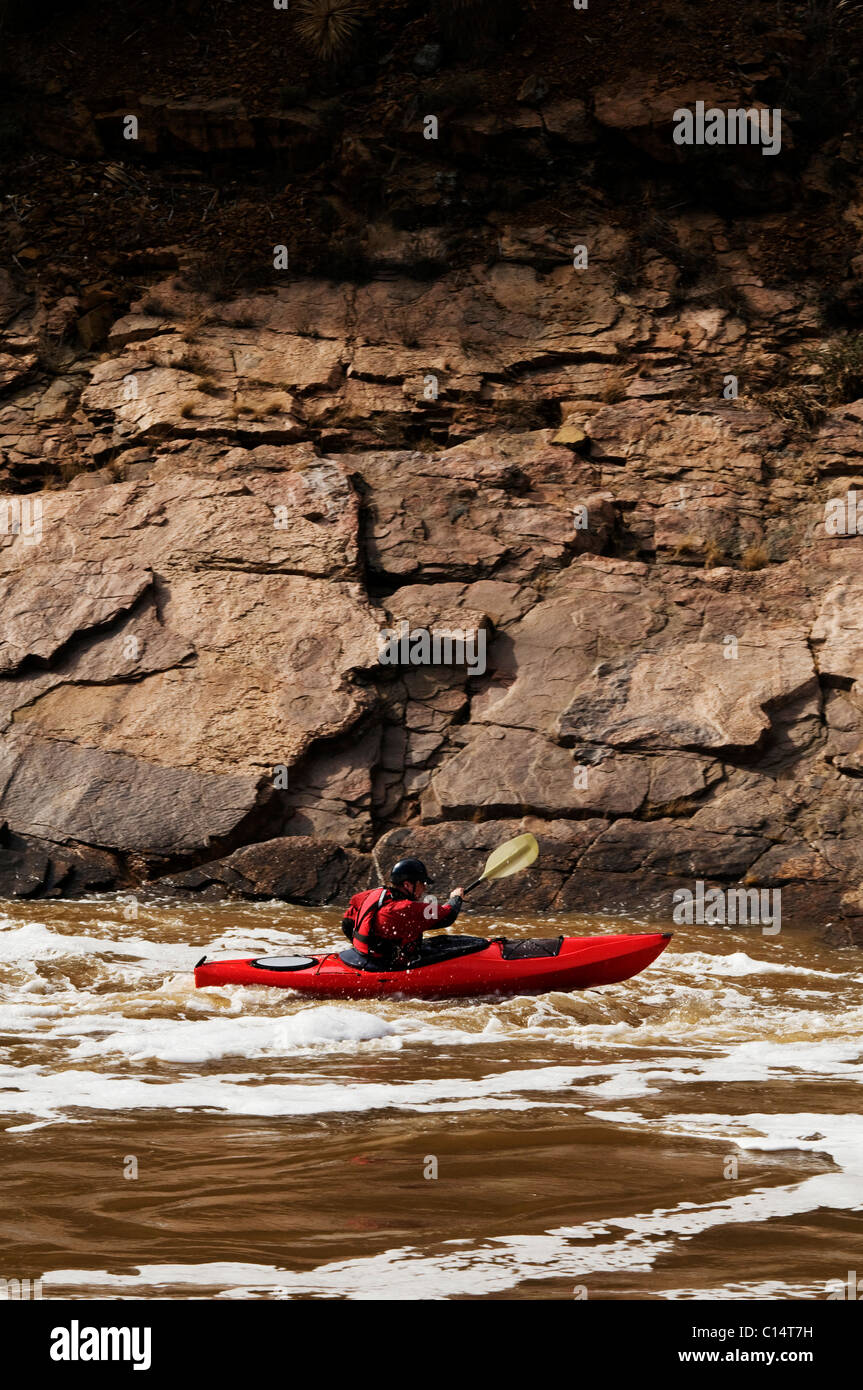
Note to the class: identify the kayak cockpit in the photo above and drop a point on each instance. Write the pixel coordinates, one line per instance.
(285, 962)
(442, 948)
(446, 948)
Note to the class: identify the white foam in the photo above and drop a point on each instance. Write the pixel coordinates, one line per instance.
(757, 1290)
(738, 963)
(52, 1095)
(35, 941)
(169, 1040)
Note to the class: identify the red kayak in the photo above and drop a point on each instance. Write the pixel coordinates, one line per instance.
(451, 967)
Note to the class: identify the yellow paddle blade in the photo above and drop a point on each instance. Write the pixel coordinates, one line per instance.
(511, 858)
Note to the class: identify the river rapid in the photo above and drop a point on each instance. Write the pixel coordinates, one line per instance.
(692, 1133)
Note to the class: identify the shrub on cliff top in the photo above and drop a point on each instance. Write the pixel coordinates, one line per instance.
(714, 555)
(157, 307)
(798, 405)
(51, 353)
(328, 27)
(213, 274)
(841, 366)
(755, 558)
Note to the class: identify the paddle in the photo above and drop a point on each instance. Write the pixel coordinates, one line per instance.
(510, 858)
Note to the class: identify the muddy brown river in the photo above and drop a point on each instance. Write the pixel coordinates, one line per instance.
(693, 1133)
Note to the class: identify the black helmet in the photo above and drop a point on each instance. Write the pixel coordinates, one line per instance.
(410, 871)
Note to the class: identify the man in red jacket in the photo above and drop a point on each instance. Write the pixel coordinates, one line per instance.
(386, 924)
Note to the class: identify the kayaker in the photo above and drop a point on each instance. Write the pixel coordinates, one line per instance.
(386, 925)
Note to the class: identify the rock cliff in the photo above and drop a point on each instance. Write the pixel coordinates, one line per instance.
(548, 379)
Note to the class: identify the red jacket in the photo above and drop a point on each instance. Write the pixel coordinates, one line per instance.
(390, 927)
